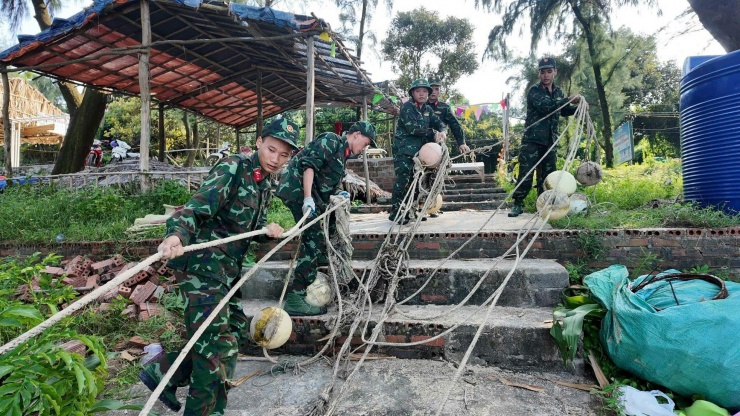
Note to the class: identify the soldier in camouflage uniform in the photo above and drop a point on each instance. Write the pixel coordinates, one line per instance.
(417, 125)
(232, 200)
(314, 175)
(444, 112)
(542, 99)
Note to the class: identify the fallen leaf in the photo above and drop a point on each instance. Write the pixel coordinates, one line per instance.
(530, 387)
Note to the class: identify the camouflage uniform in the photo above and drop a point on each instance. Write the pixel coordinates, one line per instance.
(539, 137)
(326, 155)
(232, 200)
(416, 126)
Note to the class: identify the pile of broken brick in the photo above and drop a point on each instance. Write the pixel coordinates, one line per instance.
(144, 289)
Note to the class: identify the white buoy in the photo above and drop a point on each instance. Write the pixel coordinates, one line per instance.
(436, 205)
(562, 181)
(271, 327)
(430, 155)
(553, 201)
(319, 292)
(589, 173)
(579, 203)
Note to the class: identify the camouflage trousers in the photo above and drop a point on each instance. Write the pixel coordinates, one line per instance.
(529, 155)
(212, 359)
(312, 252)
(403, 166)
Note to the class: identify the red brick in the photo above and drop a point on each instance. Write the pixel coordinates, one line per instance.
(93, 281)
(124, 291)
(54, 271)
(75, 346)
(147, 310)
(439, 299)
(426, 245)
(634, 242)
(137, 342)
(439, 342)
(142, 293)
(662, 242)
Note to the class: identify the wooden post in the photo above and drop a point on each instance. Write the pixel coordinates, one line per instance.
(162, 144)
(6, 122)
(309, 90)
(238, 146)
(506, 131)
(146, 99)
(364, 155)
(259, 104)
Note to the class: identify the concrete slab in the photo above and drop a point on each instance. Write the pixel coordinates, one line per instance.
(466, 221)
(400, 387)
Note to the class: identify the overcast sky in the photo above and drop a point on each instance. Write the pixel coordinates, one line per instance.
(488, 84)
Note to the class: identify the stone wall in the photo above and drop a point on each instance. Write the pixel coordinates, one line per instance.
(380, 169)
(680, 248)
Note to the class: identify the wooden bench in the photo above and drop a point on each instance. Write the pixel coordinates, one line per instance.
(479, 167)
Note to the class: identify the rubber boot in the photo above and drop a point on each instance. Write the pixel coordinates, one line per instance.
(295, 305)
(517, 209)
(168, 397)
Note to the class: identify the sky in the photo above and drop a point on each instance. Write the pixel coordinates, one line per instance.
(488, 83)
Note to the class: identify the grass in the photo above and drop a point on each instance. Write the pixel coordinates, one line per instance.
(639, 196)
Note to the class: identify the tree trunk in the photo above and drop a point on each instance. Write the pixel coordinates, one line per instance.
(600, 88)
(6, 124)
(720, 18)
(81, 133)
(193, 139)
(360, 40)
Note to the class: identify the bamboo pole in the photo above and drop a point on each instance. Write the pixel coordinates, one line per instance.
(6, 123)
(364, 154)
(144, 89)
(259, 103)
(162, 144)
(309, 90)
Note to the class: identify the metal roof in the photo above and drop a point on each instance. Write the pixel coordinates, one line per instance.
(217, 78)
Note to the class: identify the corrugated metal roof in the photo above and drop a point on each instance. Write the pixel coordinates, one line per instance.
(217, 79)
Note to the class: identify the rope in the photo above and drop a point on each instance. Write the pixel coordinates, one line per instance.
(186, 349)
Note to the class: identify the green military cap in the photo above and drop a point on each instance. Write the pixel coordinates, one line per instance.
(284, 130)
(366, 129)
(421, 82)
(546, 63)
(435, 81)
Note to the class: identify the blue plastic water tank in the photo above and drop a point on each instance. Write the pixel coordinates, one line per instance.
(710, 133)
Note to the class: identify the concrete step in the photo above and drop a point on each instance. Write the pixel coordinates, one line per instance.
(490, 178)
(398, 387)
(514, 338)
(473, 191)
(477, 197)
(446, 206)
(536, 283)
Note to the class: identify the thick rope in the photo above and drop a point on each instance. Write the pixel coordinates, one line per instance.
(102, 290)
(186, 349)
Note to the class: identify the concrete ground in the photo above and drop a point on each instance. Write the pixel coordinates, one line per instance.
(402, 387)
(451, 221)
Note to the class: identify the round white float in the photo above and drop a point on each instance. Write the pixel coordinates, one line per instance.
(319, 292)
(579, 203)
(430, 155)
(553, 201)
(589, 173)
(271, 327)
(562, 181)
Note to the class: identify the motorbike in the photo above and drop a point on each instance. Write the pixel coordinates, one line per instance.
(95, 158)
(120, 151)
(221, 153)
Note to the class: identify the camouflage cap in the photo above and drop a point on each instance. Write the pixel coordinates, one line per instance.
(421, 82)
(366, 129)
(284, 130)
(546, 63)
(435, 81)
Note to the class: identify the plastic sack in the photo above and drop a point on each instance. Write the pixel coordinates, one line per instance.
(644, 403)
(151, 350)
(688, 348)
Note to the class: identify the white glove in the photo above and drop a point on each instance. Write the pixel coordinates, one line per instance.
(309, 206)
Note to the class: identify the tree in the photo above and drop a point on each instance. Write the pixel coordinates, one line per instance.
(86, 109)
(720, 17)
(550, 20)
(416, 37)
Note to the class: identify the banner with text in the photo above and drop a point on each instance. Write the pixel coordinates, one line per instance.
(624, 149)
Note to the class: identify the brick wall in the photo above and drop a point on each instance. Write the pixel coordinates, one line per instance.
(681, 248)
(380, 169)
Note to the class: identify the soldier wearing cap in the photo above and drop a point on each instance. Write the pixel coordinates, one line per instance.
(444, 112)
(417, 125)
(312, 177)
(232, 200)
(542, 99)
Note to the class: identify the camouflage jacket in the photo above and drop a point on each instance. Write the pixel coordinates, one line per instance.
(327, 155)
(444, 112)
(540, 102)
(415, 127)
(232, 200)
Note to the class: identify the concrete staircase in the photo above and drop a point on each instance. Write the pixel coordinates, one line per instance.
(461, 192)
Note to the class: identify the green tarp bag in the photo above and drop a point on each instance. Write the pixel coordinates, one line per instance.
(673, 332)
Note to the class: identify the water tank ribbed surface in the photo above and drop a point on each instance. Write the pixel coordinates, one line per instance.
(710, 133)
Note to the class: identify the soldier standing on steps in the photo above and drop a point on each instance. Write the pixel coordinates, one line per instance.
(417, 125)
(444, 112)
(232, 200)
(542, 99)
(312, 177)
